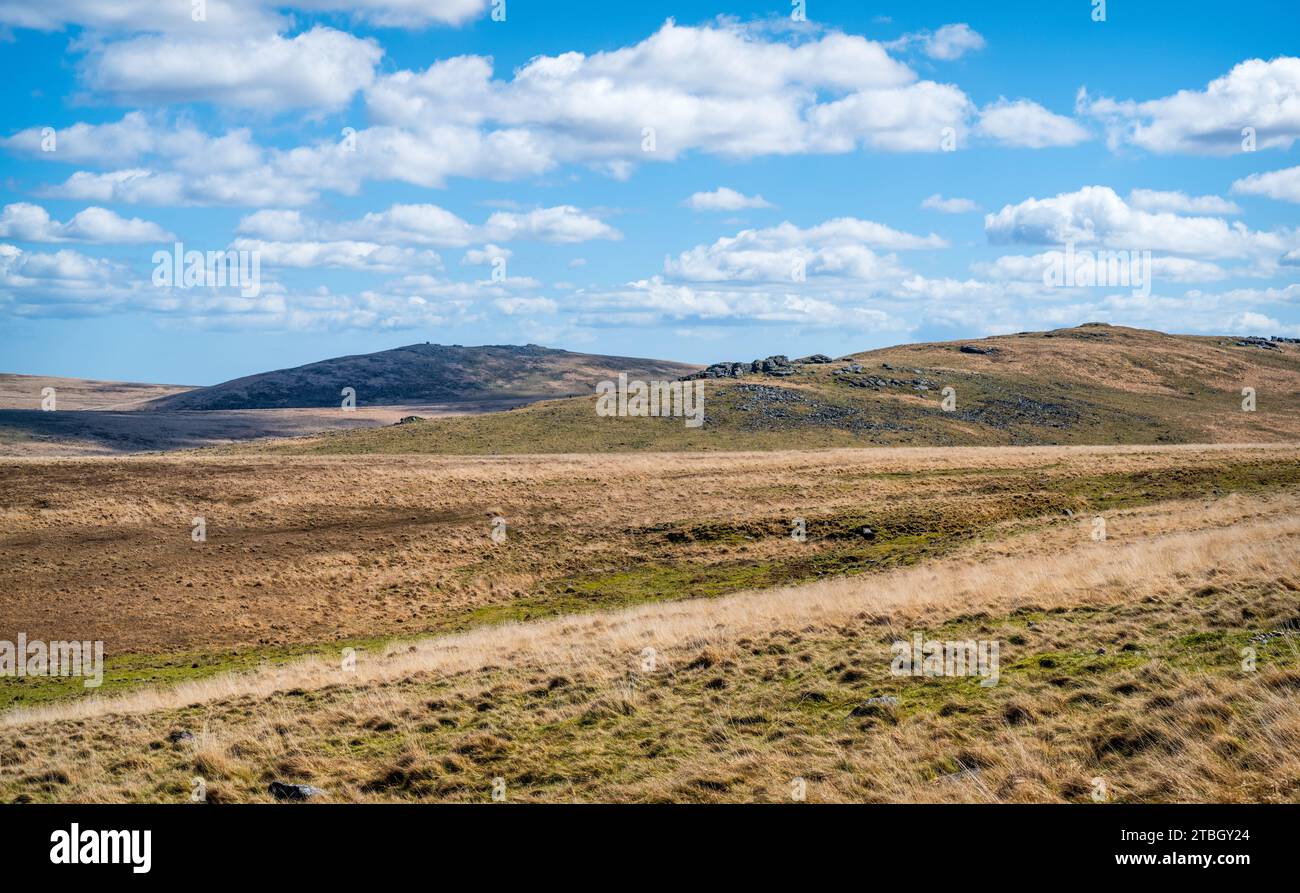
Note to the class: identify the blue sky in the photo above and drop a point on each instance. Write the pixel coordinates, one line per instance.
(688, 181)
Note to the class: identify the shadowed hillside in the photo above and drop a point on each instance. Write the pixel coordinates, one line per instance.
(1093, 384)
(421, 373)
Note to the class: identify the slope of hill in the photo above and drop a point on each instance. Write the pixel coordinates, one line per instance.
(422, 373)
(1093, 384)
(26, 391)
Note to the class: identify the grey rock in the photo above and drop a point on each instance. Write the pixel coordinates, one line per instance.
(284, 791)
(778, 365)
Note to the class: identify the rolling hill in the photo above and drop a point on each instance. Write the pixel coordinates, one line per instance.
(26, 391)
(1091, 384)
(421, 373)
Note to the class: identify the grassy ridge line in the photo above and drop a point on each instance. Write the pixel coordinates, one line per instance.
(817, 415)
(1089, 385)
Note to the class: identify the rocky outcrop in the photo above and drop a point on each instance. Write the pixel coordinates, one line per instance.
(778, 365)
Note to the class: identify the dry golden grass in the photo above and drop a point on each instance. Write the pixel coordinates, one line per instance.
(307, 550)
(1144, 552)
(1136, 361)
(24, 392)
(1120, 662)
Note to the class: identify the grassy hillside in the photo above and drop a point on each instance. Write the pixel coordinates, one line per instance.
(1094, 384)
(307, 554)
(1120, 661)
(421, 373)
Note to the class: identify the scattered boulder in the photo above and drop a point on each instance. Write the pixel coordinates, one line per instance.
(1256, 342)
(407, 419)
(854, 375)
(975, 348)
(815, 358)
(297, 793)
(176, 736)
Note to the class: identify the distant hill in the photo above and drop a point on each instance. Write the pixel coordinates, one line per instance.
(25, 392)
(1092, 384)
(423, 373)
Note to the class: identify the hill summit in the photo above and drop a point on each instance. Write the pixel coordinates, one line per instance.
(423, 373)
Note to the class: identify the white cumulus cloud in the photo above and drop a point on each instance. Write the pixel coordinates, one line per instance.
(32, 223)
(1257, 94)
(320, 68)
(1283, 185)
(1180, 202)
(725, 199)
(1027, 124)
(1096, 215)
